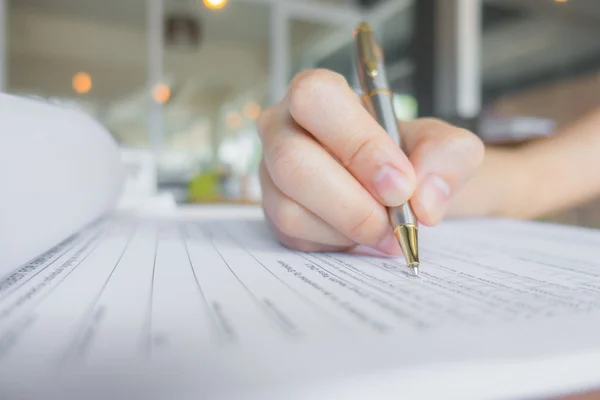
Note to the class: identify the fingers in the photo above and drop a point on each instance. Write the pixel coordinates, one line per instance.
(301, 169)
(301, 244)
(330, 169)
(294, 224)
(445, 158)
(322, 103)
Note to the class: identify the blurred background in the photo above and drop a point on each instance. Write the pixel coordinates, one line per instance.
(180, 83)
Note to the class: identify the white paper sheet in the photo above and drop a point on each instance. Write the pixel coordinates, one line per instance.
(59, 170)
(216, 308)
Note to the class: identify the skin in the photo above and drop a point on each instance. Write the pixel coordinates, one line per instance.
(539, 178)
(329, 170)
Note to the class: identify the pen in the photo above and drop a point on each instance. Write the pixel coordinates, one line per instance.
(377, 98)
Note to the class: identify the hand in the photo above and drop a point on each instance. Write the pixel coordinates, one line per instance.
(329, 169)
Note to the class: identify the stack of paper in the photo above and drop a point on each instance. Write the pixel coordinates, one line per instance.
(206, 304)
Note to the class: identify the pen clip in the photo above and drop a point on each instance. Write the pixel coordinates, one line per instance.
(367, 42)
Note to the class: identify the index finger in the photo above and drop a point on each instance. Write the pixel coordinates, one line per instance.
(324, 105)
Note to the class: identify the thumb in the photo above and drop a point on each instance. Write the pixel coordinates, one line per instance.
(445, 158)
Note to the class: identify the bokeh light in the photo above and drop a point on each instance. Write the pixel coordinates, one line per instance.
(252, 110)
(161, 93)
(82, 83)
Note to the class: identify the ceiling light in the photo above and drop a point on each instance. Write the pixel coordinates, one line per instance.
(215, 4)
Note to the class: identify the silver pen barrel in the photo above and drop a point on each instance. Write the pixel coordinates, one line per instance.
(378, 100)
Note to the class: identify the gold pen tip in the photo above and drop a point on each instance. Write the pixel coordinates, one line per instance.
(407, 236)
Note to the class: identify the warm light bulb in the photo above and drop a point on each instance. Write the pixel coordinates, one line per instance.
(561, 1)
(82, 83)
(161, 93)
(252, 110)
(215, 4)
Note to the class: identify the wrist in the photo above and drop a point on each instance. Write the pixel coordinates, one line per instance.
(496, 190)
(512, 193)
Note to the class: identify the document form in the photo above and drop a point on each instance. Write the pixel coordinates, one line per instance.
(218, 306)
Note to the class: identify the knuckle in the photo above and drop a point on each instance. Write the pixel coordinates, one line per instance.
(358, 149)
(370, 222)
(311, 87)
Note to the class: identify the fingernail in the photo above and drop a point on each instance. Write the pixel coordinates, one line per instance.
(392, 186)
(389, 245)
(434, 195)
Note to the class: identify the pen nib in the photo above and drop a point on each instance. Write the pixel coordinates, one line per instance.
(415, 270)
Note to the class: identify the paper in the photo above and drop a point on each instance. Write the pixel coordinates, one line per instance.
(59, 171)
(223, 299)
